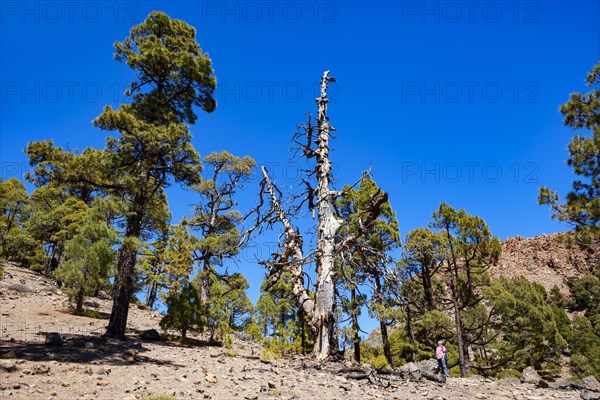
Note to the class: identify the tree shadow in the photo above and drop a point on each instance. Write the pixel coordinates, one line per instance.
(177, 341)
(82, 349)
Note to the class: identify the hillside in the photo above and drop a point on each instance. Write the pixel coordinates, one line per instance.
(87, 366)
(544, 259)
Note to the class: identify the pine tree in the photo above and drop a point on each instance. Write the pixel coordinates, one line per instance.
(527, 325)
(216, 218)
(469, 249)
(185, 313)
(15, 213)
(366, 258)
(90, 259)
(154, 143)
(581, 208)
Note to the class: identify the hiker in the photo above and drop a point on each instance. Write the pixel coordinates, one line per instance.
(441, 355)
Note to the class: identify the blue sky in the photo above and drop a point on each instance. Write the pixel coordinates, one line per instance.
(447, 101)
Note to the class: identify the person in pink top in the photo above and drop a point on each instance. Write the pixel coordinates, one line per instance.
(441, 353)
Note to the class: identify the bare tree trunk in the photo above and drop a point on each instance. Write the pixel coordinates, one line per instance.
(326, 343)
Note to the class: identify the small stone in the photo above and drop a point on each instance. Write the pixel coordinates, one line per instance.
(8, 367)
(89, 345)
(40, 369)
(271, 385)
(129, 355)
(7, 393)
(102, 382)
(211, 378)
(65, 384)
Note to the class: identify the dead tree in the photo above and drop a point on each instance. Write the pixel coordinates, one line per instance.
(320, 308)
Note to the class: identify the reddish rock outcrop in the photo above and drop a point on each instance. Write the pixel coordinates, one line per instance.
(544, 259)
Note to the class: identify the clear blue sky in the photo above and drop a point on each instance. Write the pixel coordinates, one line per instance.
(448, 101)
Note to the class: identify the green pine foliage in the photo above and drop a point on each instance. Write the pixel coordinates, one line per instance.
(90, 260)
(283, 327)
(530, 335)
(228, 309)
(584, 340)
(185, 312)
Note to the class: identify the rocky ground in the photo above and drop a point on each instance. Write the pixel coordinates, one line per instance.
(83, 365)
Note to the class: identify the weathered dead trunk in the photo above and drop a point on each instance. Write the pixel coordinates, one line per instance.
(326, 343)
(321, 311)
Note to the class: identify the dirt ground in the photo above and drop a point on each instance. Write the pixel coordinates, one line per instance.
(87, 366)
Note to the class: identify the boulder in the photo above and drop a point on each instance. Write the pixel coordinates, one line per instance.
(590, 395)
(591, 383)
(409, 368)
(428, 366)
(54, 339)
(151, 335)
(530, 376)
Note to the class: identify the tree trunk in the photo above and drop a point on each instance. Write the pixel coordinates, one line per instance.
(410, 332)
(326, 343)
(204, 281)
(463, 355)
(387, 352)
(79, 301)
(124, 280)
(427, 288)
(355, 327)
(152, 295)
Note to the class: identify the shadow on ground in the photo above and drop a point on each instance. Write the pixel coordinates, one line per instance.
(84, 349)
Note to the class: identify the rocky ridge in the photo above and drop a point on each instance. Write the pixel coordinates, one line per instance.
(544, 259)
